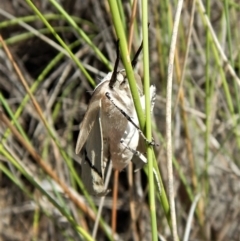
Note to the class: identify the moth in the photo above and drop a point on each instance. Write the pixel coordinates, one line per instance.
(109, 130)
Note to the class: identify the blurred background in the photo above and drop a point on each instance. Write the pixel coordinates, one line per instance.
(206, 108)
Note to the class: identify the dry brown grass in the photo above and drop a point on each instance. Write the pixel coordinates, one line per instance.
(63, 95)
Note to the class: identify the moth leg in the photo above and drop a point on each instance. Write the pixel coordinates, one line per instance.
(143, 159)
(152, 143)
(135, 152)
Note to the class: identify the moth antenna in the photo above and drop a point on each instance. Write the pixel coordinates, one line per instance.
(114, 74)
(135, 58)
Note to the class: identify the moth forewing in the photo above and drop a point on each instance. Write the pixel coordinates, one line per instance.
(88, 122)
(93, 164)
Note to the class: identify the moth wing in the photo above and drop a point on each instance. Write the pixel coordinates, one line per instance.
(137, 160)
(92, 166)
(87, 124)
(152, 93)
(152, 96)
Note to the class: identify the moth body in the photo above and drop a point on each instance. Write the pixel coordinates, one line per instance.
(114, 125)
(102, 116)
(105, 132)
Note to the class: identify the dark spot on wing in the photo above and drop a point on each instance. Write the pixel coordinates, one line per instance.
(91, 165)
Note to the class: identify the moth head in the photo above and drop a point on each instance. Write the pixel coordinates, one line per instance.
(121, 81)
(119, 78)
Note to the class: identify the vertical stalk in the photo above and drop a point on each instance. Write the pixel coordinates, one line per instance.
(208, 115)
(148, 119)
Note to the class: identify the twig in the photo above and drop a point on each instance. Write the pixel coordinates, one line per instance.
(114, 204)
(218, 45)
(46, 167)
(131, 202)
(169, 120)
(29, 148)
(35, 32)
(186, 54)
(130, 37)
(95, 228)
(190, 217)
